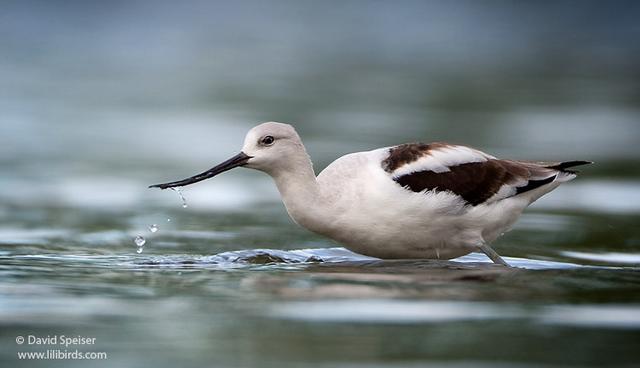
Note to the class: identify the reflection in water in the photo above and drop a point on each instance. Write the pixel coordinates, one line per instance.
(375, 311)
(331, 299)
(611, 257)
(392, 311)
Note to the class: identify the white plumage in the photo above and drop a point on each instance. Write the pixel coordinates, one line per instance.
(409, 201)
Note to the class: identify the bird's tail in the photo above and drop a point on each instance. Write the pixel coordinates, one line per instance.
(564, 174)
(563, 166)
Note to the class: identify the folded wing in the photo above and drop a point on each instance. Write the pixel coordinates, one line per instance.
(471, 174)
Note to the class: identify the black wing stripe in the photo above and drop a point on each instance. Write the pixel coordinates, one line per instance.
(475, 182)
(533, 184)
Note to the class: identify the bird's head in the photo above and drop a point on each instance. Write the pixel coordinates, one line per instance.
(270, 147)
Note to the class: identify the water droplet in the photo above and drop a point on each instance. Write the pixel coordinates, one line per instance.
(139, 250)
(168, 220)
(139, 240)
(179, 191)
(153, 228)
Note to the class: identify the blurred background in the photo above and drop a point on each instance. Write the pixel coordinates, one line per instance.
(99, 99)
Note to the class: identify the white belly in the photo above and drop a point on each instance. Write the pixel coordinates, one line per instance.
(420, 229)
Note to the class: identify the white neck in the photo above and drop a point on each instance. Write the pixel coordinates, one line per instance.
(301, 194)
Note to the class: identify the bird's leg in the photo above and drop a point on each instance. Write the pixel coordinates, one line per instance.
(495, 257)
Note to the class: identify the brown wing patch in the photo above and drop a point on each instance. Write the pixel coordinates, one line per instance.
(407, 153)
(475, 182)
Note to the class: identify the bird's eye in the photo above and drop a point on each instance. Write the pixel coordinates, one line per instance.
(267, 140)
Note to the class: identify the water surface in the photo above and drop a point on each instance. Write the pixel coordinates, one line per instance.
(215, 288)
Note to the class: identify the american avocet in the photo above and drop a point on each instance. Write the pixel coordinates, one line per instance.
(429, 201)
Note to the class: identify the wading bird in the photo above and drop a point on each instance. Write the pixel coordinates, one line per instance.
(415, 200)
